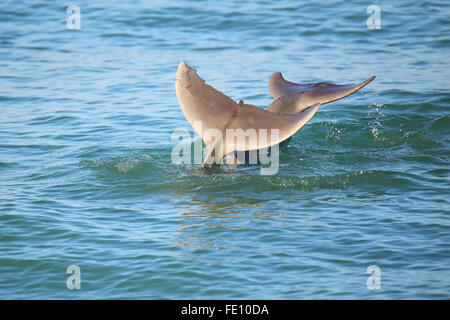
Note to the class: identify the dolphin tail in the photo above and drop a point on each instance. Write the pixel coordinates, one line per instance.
(292, 97)
(214, 115)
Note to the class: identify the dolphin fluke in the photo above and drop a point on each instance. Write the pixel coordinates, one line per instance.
(293, 97)
(212, 114)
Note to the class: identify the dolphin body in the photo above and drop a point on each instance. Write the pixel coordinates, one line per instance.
(206, 109)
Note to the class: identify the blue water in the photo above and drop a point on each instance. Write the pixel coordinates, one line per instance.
(86, 176)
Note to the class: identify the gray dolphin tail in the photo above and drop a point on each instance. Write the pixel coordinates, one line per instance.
(206, 108)
(293, 97)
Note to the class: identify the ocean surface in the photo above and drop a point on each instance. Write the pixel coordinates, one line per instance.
(86, 176)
